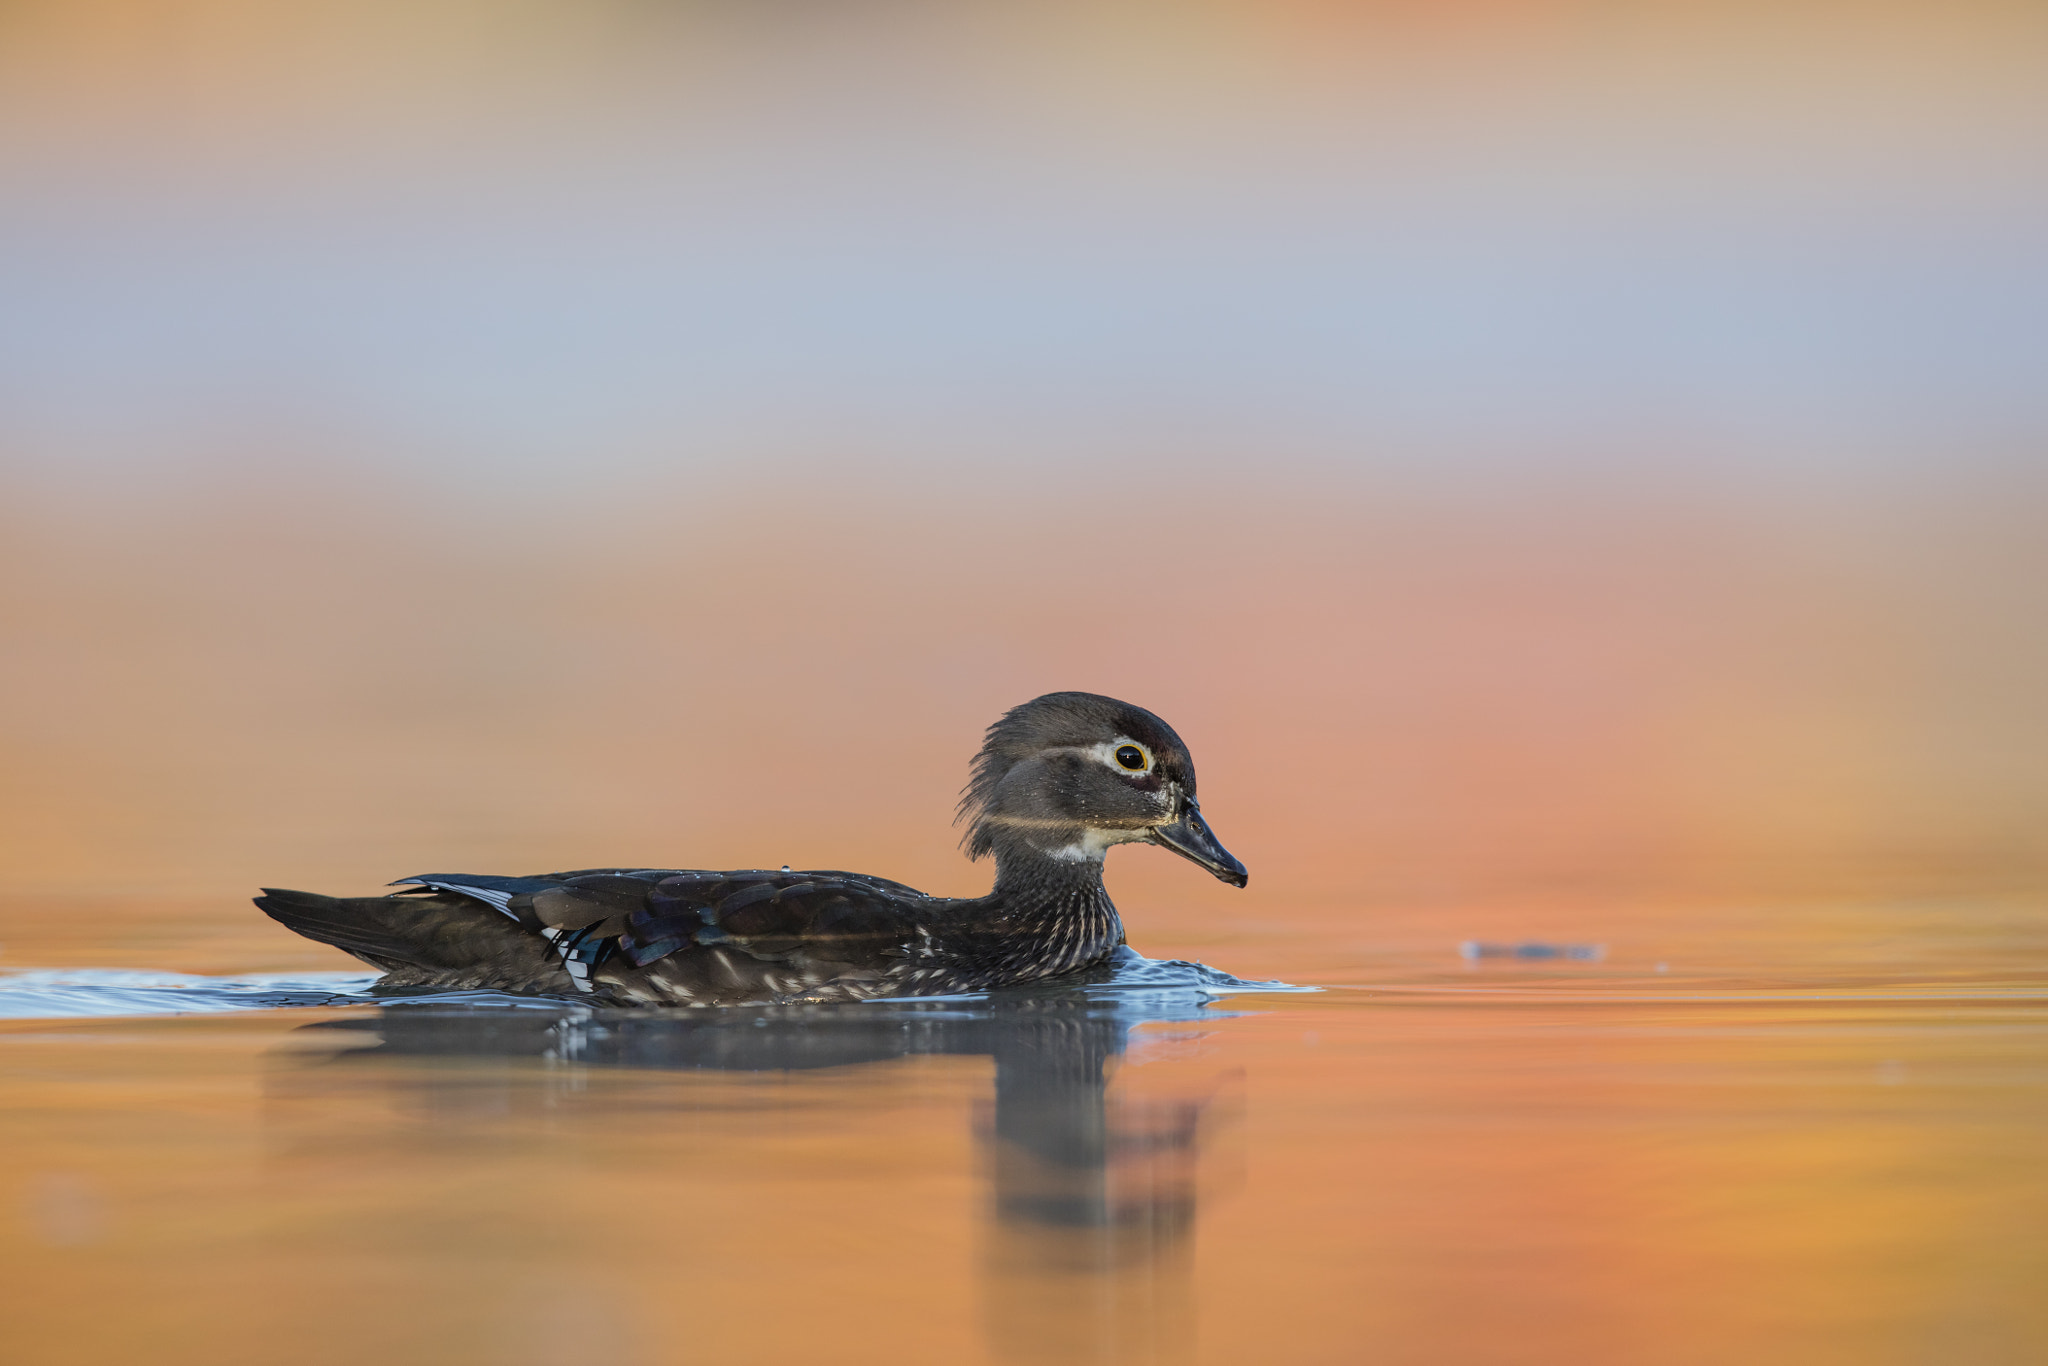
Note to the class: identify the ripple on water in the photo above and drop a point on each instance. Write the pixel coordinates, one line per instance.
(44, 993)
(1130, 980)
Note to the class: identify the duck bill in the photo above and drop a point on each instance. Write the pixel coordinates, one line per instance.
(1191, 839)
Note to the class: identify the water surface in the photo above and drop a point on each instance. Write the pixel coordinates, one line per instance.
(1502, 1160)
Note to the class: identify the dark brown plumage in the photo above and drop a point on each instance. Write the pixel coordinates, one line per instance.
(1058, 781)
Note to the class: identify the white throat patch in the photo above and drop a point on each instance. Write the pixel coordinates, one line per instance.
(1094, 845)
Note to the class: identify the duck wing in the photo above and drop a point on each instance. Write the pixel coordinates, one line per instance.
(704, 936)
(774, 917)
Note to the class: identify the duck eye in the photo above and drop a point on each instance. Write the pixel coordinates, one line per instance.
(1132, 758)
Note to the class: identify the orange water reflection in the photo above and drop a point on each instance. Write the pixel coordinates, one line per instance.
(1332, 1178)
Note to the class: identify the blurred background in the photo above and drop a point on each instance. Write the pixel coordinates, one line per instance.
(1540, 453)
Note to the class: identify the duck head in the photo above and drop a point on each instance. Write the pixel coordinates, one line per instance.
(1069, 774)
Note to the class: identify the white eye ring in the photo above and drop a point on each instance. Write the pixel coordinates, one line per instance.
(1121, 754)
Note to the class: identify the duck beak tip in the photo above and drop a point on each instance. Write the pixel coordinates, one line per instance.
(1191, 838)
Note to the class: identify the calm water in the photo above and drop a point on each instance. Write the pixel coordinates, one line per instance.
(1492, 1159)
(1532, 452)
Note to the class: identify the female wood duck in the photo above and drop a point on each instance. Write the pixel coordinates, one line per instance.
(1058, 781)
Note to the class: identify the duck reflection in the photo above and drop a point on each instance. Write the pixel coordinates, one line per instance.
(1091, 1189)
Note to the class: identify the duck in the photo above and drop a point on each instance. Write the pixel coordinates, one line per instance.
(1057, 783)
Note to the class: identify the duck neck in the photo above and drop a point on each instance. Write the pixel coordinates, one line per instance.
(1059, 897)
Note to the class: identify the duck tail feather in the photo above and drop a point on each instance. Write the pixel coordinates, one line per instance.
(380, 930)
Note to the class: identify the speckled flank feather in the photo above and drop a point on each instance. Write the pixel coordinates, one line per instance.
(653, 936)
